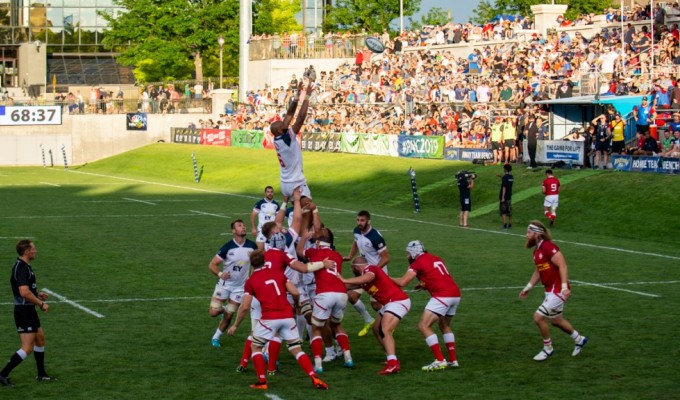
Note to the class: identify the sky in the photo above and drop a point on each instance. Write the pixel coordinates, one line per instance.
(461, 9)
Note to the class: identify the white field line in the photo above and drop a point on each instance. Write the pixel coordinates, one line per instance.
(210, 214)
(152, 200)
(15, 237)
(98, 216)
(272, 396)
(606, 285)
(383, 216)
(73, 303)
(140, 201)
(615, 288)
(50, 184)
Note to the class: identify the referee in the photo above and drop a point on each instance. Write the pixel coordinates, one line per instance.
(26, 297)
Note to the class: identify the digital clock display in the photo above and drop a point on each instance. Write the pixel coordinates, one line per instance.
(30, 115)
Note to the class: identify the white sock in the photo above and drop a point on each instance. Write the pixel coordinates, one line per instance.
(576, 336)
(301, 324)
(330, 351)
(361, 309)
(218, 334)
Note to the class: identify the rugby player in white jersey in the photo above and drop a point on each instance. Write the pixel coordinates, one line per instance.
(231, 265)
(288, 149)
(371, 245)
(265, 210)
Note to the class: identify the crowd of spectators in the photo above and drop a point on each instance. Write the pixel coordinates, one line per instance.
(433, 92)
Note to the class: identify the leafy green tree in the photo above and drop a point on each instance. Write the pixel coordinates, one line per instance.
(435, 16)
(368, 15)
(169, 39)
(486, 11)
(275, 16)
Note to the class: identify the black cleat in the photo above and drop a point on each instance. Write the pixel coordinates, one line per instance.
(4, 381)
(45, 378)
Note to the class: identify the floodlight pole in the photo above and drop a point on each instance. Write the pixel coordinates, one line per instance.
(220, 41)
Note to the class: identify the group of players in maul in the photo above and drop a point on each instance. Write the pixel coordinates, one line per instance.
(296, 283)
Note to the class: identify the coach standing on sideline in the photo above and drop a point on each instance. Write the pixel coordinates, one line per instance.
(26, 297)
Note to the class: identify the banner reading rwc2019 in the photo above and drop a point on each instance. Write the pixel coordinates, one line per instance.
(421, 146)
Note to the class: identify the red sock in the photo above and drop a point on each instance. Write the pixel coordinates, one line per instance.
(547, 214)
(305, 363)
(317, 346)
(343, 341)
(274, 349)
(247, 352)
(552, 217)
(451, 347)
(258, 362)
(437, 351)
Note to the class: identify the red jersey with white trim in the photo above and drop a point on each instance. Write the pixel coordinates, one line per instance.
(382, 288)
(551, 185)
(279, 260)
(432, 273)
(327, 280)
(549, 273)
(269, 287)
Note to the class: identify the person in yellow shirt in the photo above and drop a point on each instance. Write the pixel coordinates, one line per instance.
(509, 133)
(618, 126)
(496, 140)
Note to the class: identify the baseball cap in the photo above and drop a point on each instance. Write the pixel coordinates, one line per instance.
(644, 98)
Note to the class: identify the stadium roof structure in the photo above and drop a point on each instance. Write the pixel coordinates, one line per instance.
(623, 104)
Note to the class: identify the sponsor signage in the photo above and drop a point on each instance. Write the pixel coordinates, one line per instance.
(317, 141)
(136, 121)
(646, 164)
(421, 146)
(247, 139)
(216, 137)
(185, 135)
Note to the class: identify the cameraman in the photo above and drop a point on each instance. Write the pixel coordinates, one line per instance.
(466, 181)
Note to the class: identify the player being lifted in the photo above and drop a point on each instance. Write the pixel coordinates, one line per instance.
(287, 148)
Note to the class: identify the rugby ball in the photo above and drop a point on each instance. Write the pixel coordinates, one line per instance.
(374, 44)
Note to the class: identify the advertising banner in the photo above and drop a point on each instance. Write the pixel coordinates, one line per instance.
(551, 151)
(136, 122)
(452, 153)
(420, 146)
(318, 141)
(662, 165)
(645, 163)
(185, 135)
(365, 143)
(467, 154)
(670, 166)
(247, 139)
(216, 137)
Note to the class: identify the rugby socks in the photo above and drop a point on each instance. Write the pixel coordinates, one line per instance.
(218, 334)
(305, 363)
(247, 351)
(343, 341)
(39, 354)
(258, 362)
(450, 342)
(317, 349)
(16, 359)
(433, 343)
(361, 309)
(274, 349)
(301, 325)
(547, 345)
(576, 336)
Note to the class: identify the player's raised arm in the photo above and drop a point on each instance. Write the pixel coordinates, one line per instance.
(302, 114)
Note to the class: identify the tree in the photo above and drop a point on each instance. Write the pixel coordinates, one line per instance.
(485, 11)
(275, 16)
(367, 15)
(168, 39)
(435, 16)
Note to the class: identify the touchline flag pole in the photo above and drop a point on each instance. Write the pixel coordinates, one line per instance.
(414, 189)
